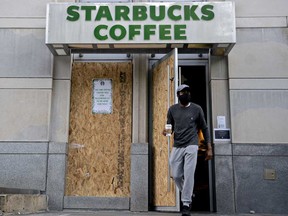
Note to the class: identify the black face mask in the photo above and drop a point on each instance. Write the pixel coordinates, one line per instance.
(184, 99)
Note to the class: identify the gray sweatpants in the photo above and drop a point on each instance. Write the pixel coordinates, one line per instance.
(183, 164)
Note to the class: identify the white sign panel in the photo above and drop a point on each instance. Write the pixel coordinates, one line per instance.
(141, 23)
(221, 121)
(102, 96)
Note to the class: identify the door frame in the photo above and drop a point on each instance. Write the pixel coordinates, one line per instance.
(206, 64)
(183, 60)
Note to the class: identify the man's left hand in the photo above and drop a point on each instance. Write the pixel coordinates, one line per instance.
(209, 153)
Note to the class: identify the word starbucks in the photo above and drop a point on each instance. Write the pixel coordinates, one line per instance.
(167, 22)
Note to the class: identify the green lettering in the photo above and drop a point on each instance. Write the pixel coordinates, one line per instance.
(189, 12)
(139, 13)
(133, 31)
(72, 12)
(120, 28)
(171, 14)
(121, 12)
(207, 11)
(97, 34)
(161, 13)
(88, 10)
(104, 12)
(180, 32)
(148, 31)
(165, 32)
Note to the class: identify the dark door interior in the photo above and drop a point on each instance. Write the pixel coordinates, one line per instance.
(195, 77)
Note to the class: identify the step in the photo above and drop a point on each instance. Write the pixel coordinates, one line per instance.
(23, 203)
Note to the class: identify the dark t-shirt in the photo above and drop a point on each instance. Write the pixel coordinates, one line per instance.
(186, 121)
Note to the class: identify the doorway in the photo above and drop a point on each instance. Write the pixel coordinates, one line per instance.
(196, 77)
(98, 162)
(167, 72)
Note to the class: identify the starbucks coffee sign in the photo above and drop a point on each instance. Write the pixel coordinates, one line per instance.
(140, 25)
(140, 22)
(200, 22)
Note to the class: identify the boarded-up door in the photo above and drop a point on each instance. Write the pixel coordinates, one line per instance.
(165, 77)
(99, 142)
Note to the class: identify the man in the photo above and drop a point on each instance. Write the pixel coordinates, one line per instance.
(186, 119)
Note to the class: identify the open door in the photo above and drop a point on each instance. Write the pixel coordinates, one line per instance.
(167, 74)
(165, 196)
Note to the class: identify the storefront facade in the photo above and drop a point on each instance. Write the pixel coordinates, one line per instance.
(81, 120)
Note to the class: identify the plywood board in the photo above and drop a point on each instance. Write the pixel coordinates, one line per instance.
(163, 186)
(99, 144)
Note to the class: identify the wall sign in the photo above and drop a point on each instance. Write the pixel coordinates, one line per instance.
(222, 134)
(221, 121)
(102, 100)
(135, 15)
(122, 23)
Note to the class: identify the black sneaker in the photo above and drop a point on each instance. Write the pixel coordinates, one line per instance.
(186, 211)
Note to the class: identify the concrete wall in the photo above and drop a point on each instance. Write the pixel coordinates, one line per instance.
(25, 94)
(224, 184)
(258, 95)
(34, 103)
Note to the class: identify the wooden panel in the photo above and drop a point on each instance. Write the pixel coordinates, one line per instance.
(163, 193)
(99, 144)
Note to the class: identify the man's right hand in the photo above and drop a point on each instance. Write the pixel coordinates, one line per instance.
(164, 132)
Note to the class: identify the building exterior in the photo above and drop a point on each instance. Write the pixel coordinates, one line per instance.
(92, 147)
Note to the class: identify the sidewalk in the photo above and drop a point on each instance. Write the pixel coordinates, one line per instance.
(127, 213)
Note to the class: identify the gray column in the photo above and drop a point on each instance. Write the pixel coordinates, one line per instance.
(140, 98)
(59, 127)
(139, 177)
(139, 149)
(224, 180)
(56, 175)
